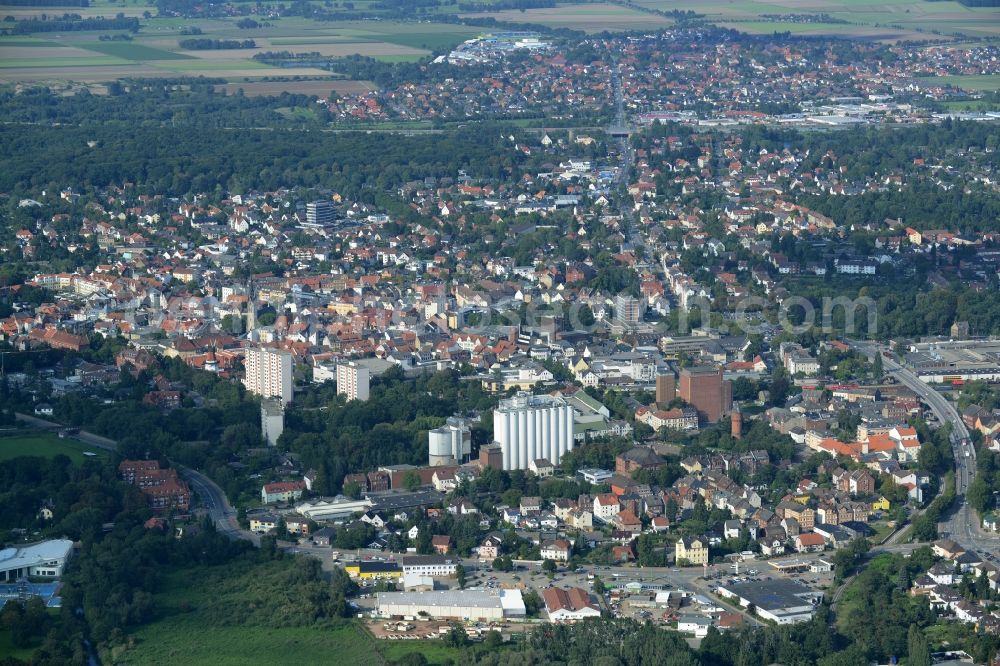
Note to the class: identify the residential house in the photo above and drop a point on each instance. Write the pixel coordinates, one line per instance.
(285, 491)
(441, 543)
(490, 548)
(557, 550)
(809, 542)
(606, 507)
(264, 523)
(570, 605)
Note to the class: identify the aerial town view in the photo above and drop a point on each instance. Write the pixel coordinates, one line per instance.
(499, 332)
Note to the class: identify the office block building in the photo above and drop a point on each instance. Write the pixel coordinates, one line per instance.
(628, 309)
(320, 212)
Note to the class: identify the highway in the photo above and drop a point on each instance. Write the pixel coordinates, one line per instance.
(962, 523)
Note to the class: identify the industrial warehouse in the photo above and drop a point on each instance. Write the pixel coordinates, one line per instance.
(453, 604)
(781, 601)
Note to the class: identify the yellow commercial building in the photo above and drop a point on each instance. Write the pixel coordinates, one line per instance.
(373, 570)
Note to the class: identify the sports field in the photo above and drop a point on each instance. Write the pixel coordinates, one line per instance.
(45, 445)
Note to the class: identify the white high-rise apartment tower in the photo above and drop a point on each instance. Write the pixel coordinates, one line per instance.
(353, 381)
(269, 373)
(529, 427)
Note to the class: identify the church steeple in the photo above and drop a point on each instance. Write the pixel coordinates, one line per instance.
(251, 307)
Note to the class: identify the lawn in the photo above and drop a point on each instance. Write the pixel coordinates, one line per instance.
(971, 105)
(7, 648)
(184, 641)
(188, 629)
(43, 444)
(435, 651)
(882, 530)
(986, 82)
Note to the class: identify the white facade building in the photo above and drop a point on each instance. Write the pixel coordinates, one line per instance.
(435, 566)
(41, 560)
(353, 381)
(454, 604)
(269, 373)
(528, 427)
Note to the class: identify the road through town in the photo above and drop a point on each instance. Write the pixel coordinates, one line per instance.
(961, 523)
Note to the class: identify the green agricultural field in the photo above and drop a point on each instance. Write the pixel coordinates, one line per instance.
(53, 61)
(134, 52)
(17, 40)
(596, 17)
(81, 56)
(430, 40)
(398, 58)
(43, 444)
(892, 19)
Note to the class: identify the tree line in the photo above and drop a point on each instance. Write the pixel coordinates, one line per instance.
(47, 3)
(196, 44)
(74, 23)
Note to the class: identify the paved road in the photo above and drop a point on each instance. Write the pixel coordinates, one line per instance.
(217, 504)
(210, 494)
(962, 523)
(82, 435)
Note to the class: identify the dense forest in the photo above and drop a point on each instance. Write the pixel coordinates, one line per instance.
(177, 161)
(885, 150)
